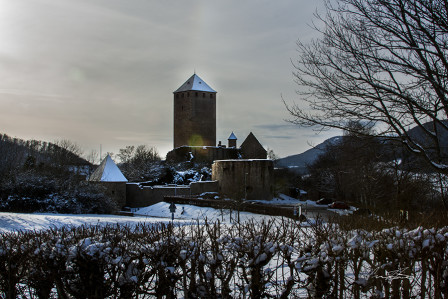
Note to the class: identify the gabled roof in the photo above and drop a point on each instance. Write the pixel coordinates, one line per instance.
(252, 141)
(108, 171)
(251, 148)
(195, 83)
(232, 137)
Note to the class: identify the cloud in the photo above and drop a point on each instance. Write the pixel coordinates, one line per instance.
(277, 127)
(278, 137)
(99, 71)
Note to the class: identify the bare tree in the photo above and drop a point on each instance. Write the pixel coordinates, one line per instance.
(93, 156)
(137, 161)
(66, 152)
(272, 155)
(126, 154)
(69, 146)
(143, 154)
(381, 62)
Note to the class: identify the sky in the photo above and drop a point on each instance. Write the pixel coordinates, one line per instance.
(101, 73)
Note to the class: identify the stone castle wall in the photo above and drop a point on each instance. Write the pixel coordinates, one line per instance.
(203, 187)
(138, 196)
(142, 196)
(115, 190)
(244, 179)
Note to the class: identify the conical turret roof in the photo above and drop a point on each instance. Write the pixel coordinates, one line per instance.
(195, 84)
(108, 171)
(232, 137)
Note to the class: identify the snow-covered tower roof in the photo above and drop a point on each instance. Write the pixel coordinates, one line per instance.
(108, 171)
(195, 83)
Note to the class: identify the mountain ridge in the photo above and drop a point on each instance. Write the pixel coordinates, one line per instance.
(299, 162)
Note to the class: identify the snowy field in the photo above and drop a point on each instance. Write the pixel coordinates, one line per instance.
(283, 199)
(158, 213)
(17, 221)
(184, 212)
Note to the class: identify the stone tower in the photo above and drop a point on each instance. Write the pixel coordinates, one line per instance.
(194, 114)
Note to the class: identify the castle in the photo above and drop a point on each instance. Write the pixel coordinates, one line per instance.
(237, 172)
(195, 128)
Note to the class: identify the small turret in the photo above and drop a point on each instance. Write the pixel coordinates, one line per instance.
(232, 140)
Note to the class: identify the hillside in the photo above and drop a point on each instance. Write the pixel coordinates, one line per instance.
(418, 134)
(17, 153)
(299, 162)
(38, 176)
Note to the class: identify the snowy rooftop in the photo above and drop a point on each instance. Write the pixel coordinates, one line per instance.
(195, 83)
(108, 171)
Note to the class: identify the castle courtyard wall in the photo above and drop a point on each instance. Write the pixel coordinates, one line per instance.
(244, 179)
(142, 196)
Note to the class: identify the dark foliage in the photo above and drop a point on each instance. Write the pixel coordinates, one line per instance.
(252, 260)
(141, 163)
(371, 173)
(37, 176)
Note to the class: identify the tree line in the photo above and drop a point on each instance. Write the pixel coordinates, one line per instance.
(373, 173)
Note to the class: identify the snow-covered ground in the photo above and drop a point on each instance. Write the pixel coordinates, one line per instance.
(17, 221)
(343, 212)
(190, 212)
(283, 199)
(158, 213)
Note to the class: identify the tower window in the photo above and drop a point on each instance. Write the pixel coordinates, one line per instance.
(182, 96)
(211, 96)
(203, 95)
(196, 94)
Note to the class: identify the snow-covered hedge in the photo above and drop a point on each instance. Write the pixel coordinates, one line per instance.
(279, 259)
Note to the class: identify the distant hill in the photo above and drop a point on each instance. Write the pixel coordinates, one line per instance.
(16, 153)
(299, 162)
(419, 135)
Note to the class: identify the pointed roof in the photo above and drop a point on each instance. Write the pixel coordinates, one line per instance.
(232, 137)
(251, 139)
(252, 148)
(108, 171)
(195, 83)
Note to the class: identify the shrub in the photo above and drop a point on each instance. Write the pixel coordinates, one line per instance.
(252, 259)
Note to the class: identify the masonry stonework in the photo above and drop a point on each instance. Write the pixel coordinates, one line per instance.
(244, 179)
(194, 114)
(143, 196)
(116, 191)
